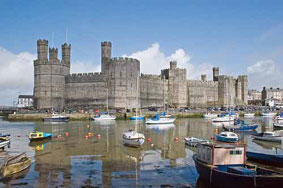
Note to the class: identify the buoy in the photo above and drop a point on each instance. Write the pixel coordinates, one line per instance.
(87, 126)
(86, 137)
(151, 145)
(89, 134)
(176, 139)
(149, 139)
(66, 133)
(212, 138)
(98, 136)
(19, 136)
(59, 136)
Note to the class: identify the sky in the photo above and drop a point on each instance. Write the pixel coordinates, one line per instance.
(238, 36)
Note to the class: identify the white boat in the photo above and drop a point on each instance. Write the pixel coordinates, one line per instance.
(56, 118)
(133, 138)
(4, 141)
(223, 119)
(209, 116)
(192, 141)
(269, 136)
(160, 126)
(269, 114)
(278, 125)
(160, 120)
(227, 137)
(249, 115)
(104, 117)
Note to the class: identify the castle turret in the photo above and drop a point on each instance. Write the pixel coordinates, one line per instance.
(42, 49)
(105, 55)
(53, 53)
(203, 77)
(173, 64)
(215, 73)
(66, 53)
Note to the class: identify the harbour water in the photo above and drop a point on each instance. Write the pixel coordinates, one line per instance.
(91, 154)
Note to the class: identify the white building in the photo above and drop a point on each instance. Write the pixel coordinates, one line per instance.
(25, 101)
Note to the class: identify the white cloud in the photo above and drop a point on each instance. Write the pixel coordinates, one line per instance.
(153, 60)
(264, 73)
(16, 74)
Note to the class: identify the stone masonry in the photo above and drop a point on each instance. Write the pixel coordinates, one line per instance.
(116, 84)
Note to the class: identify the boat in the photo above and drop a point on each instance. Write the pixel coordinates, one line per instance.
(39, 135)
(192, 141)
(141, 117)
(160, 127)
(280, 117)
(227, 137)
(5, 134)
(133, 138)
(249, 115)
(269, 114)
(4, 142)
(223, 119)
(241, 126)
(56, 118)
(160, 120)
(15, 165)
(209, 116)
(267, 158)
(104, 116)
(268, 136)
(278, 125)
(224, 165)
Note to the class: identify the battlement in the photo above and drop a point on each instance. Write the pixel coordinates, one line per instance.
(106, 43)
(42, 42)
(65, 45)
(243, 78)
(85, 77)
(124, 59)
(150, 76)
(201, 83)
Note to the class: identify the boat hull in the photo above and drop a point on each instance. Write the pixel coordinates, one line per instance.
(134, 142)
(217, 178)
(137, 118)
(4, 143)
(50, 119)
(224, 139)
(39, 138)
(273, 159)
(161, 121)
(246, 128)
(194, 141)
(16, 167)
(268, 139)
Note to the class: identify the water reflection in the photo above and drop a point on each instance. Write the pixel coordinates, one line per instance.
(92, 154)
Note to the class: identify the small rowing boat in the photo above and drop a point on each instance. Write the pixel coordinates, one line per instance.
(192, 141)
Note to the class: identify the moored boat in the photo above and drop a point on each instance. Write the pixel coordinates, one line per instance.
(267, 158)
(56, 118)
(209, 116)
(104, 117)
(39, 135)
(141, 117)
(249, 115)
(223, 119)
(224, 166)
(278, 125)
(269, 114)
(15, 165)
(133, 138)
(227, 137)
(192, 141)
(268, 136)
(160, 120)
(280, 117)
(4, 141)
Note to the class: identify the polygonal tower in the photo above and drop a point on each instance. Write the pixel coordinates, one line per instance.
(49, 77)
(215, 73)
(105, 56)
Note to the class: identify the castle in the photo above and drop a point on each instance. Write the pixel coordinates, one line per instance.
(116, 84)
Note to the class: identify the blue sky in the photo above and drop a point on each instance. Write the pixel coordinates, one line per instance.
(239, 36)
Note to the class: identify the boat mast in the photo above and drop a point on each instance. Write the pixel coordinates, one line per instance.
(107, 102)
(137, 103)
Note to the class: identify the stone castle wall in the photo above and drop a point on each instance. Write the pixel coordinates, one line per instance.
(116, 85)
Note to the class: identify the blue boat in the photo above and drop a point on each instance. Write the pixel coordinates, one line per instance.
(272, 159)
(56, 118)
(227, 137)
(225, 166)
(241, 126)
(137, 118)
(39, 135)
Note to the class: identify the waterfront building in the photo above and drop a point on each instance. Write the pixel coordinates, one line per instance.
(55, 87)
(272, 96)
(25, 101)
(254, 97)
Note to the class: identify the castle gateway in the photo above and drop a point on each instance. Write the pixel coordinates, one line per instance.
(116, 84)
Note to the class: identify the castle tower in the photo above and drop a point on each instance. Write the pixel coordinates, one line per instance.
(215, 73)
(53, 53)
(203, 77)
(42, 49)
(66, 53)
(105, 56)
(49, 77)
